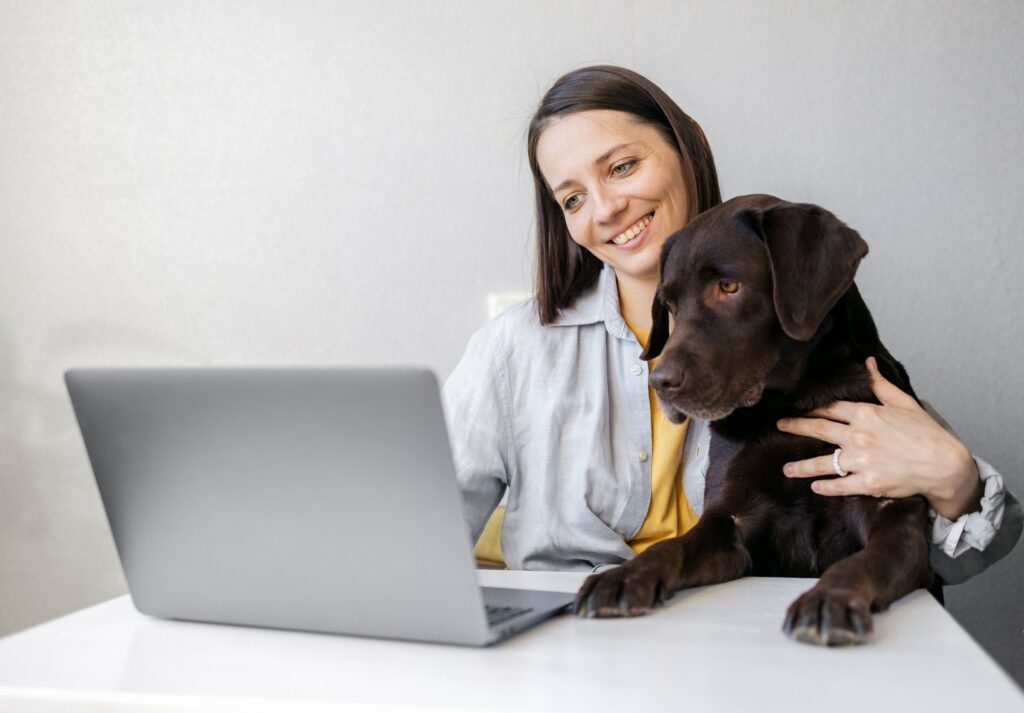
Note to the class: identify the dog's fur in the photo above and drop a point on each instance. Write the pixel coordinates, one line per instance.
(792, 336)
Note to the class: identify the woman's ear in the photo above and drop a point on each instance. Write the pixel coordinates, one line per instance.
(659, 330)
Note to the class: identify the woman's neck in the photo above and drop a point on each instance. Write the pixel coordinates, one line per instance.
(636, 294)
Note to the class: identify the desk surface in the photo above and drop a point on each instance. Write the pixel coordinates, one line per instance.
(713, 648)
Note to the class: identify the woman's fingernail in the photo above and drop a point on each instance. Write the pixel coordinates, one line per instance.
(783, 422)
(788, 469)
(815, 487)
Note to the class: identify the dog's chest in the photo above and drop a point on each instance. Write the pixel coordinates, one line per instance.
(788, 529)
(748, 463)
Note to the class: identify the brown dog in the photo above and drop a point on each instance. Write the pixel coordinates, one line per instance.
(769, 324)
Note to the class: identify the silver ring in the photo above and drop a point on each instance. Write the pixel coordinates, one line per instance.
(835, 464)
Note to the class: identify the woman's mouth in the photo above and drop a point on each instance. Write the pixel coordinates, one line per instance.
(631, 235)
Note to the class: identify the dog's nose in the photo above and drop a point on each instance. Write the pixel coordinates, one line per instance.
(666, 377)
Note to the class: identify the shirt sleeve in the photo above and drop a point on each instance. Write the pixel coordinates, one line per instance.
(964, 547)
(475, 398)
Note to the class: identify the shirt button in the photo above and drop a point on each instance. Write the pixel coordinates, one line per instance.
(636, 370)
(641, 456)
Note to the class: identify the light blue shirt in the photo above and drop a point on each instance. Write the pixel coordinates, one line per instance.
(559, 416)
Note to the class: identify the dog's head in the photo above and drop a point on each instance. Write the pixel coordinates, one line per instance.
(739, 282)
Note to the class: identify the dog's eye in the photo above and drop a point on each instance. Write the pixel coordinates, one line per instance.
(729, 287)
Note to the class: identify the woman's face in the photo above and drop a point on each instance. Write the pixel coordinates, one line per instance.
(619, 184)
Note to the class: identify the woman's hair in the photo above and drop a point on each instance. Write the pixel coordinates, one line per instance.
(564, 269)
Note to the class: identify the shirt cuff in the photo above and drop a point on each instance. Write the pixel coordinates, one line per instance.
(974, 529)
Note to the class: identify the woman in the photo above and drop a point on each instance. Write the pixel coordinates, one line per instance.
(551, 400)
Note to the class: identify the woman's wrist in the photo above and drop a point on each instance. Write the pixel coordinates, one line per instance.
(962, 490)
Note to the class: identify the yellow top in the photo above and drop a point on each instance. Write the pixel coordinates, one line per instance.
(669, 514)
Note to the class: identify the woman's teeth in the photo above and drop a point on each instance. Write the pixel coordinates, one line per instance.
(633, 231)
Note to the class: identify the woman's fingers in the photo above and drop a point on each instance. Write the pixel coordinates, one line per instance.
(886, 391)
(875, 484)
(821, 428)
(811, 468)
(852, 484)
(890, 449)
(843, 411)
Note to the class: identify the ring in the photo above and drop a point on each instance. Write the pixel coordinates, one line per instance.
(835, 464)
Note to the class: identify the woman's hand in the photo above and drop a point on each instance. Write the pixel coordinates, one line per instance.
(890, 450)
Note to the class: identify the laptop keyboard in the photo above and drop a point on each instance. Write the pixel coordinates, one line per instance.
(499, 615)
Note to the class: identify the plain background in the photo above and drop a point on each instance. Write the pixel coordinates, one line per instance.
(261, 183)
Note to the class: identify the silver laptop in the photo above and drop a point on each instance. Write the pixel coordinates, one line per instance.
(312, 499)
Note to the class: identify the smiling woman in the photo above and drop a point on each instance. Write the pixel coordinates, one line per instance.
(551, 400)
(621, 205)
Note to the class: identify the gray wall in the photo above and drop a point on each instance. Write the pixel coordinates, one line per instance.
(342, 183)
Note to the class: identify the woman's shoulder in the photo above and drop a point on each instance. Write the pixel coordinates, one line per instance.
(522, 316)
(516, 340)
(516, 325)
(492, 346)
(520, 324)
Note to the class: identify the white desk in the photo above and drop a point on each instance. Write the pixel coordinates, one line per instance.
(711, 649)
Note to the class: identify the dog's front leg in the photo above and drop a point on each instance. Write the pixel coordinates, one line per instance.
(894, 562)
(711, 552)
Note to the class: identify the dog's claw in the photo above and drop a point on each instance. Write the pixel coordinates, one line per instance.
(825, 625)
(828, 617)
(583, 597)
(858, 624)
(790, 622)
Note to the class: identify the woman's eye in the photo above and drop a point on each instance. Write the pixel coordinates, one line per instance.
(729, 287)
(571, 202)
(623, 168)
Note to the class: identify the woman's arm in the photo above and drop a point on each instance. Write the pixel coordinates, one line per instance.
(474, 399)
(964, 547)
(897, 449)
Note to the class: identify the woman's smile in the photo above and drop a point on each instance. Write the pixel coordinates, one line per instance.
(631, 237)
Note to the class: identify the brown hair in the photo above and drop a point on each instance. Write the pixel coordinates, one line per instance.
(564, 269)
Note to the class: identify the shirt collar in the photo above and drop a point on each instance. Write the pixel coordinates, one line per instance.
(598, 304)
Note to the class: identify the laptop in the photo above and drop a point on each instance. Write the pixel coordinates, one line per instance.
(311, 499)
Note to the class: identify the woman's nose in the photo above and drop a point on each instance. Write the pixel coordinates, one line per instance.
(608, 204)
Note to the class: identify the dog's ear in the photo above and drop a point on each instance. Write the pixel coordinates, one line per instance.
(813, 257)
(659, 329)
(659, 313)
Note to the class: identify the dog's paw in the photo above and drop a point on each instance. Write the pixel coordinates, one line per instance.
(829, 617)
(627, 590)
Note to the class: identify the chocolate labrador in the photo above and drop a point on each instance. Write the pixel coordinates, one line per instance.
(768, 324)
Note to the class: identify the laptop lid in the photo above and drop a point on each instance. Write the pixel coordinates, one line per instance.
(312, 499)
